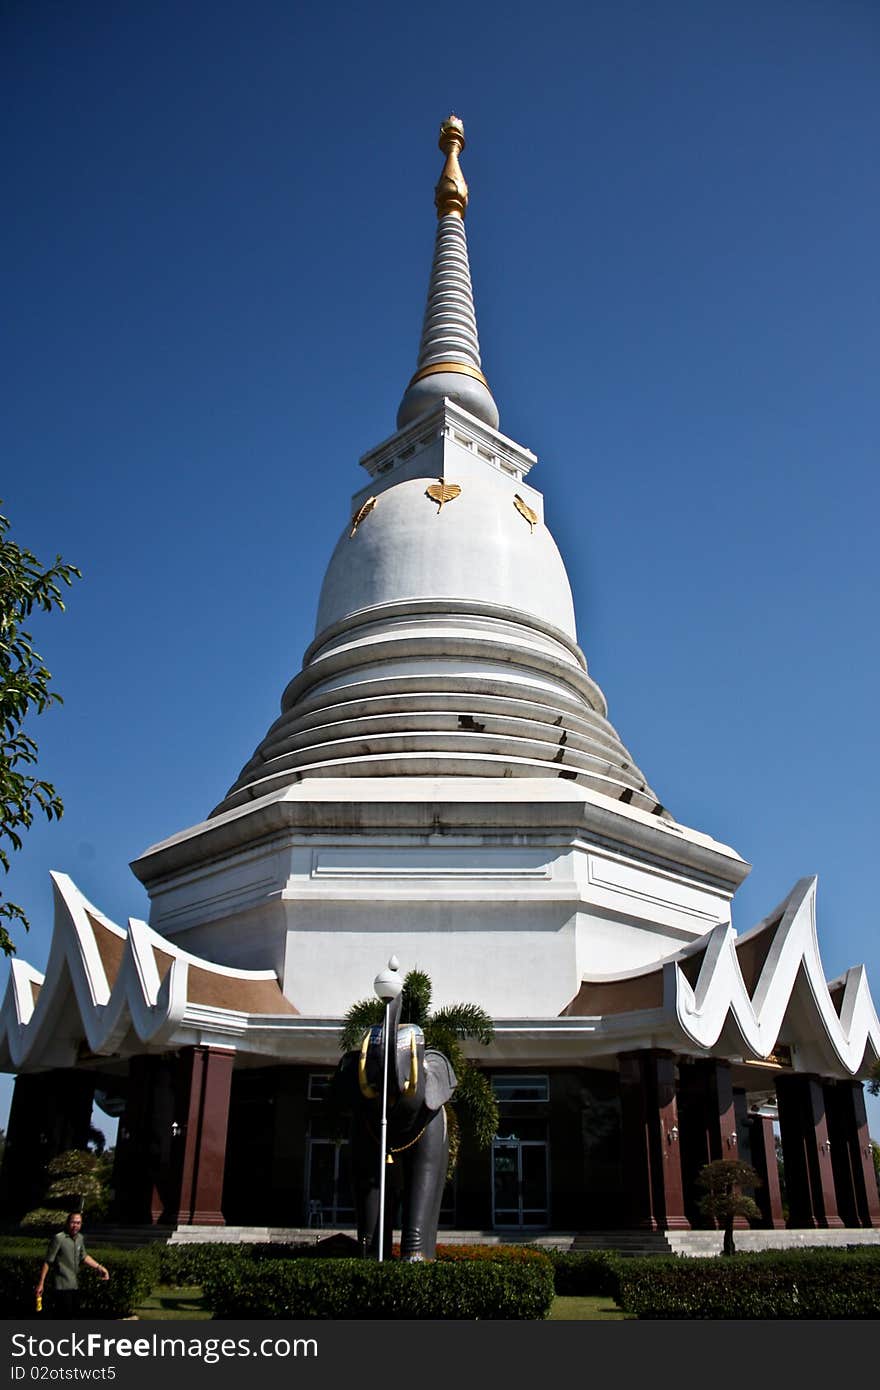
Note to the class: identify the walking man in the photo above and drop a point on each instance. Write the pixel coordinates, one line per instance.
(66, 1252)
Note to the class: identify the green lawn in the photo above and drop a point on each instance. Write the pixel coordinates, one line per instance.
(595, 1309)
(167, 1303)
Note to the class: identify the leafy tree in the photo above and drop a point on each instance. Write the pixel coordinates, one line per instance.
(79, 1180)
(446, 1029)
(24, 690)
(724, 1200)
(97, 1140)
(874, 1082)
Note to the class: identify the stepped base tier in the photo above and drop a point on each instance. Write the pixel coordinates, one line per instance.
(505, 889)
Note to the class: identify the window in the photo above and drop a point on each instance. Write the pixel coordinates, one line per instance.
(319, 1084)
(518, 1088)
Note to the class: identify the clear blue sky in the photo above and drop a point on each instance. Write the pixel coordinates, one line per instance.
(218, 237)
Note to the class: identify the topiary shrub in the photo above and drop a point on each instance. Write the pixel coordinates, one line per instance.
(357, 1289)
(726, 1183)
(78, 1180)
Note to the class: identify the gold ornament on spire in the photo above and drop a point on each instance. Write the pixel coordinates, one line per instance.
(451, 193)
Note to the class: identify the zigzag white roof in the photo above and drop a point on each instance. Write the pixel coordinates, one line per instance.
(118, 992)
(745, 997)
(790, 989)
(111, 993)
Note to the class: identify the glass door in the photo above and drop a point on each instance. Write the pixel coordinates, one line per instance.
(520, 1181)
(328, 1189)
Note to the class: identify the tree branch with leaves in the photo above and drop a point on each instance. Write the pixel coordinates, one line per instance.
(26, 587)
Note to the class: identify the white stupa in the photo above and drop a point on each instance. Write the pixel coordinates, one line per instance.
(443, 781)
(443, 785)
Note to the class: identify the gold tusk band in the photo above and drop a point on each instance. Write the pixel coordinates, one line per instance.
(366, 1089)
(413, 1080)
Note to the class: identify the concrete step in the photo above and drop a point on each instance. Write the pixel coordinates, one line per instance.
(703, 1244)
(127, 1237)
(622, 1242)
(307, 1235)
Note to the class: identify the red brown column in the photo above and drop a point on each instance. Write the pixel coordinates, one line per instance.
(721, 1113)
(769, 1194)
(858, 1200)
(649, 1125)
(707, 1109)
(142, 1179)
(205, 1082)
(708, 1121)
(806, 1152)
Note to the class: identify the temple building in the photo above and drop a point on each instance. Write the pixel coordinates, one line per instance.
(443, 783)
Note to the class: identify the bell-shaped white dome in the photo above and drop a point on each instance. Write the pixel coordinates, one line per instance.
(478, 547)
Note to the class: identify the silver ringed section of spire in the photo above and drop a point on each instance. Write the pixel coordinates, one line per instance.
(450, 324)
(449, 334)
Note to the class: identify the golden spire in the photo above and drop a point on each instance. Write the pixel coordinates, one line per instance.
(449, 352)
(451, 193)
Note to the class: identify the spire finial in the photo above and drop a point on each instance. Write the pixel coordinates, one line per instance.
(449, 353)
(451, 193)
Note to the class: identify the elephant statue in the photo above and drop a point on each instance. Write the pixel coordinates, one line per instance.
(420, 1081)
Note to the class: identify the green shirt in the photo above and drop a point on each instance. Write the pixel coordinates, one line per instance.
(64, 1257)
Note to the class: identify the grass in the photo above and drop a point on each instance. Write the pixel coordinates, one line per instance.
(167, 1303)
(598, 1308)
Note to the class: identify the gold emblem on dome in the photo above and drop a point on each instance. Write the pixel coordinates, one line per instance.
(441, 492)
(361, 513)
(526, 511)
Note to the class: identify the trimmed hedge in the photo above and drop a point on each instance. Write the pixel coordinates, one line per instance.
(773, 1284)
(192, 1263)
(496, 1254)
(367, 1289)
(584, 1273)
(322, 1250)
(493, 1254)
(133, 1274)
(587, 1273)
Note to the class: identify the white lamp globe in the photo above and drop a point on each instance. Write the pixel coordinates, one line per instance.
(388, 983)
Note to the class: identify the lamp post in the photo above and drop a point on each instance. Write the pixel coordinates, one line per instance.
(387, 985)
